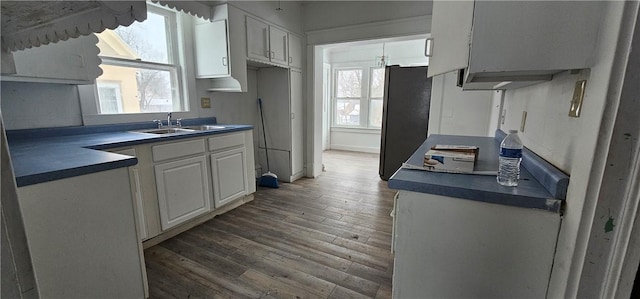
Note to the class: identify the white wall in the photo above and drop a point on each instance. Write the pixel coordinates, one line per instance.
(456, 112)
(35, 105)
(333, 14)
(569, 143)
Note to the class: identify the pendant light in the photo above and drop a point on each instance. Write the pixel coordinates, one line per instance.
(382, 61)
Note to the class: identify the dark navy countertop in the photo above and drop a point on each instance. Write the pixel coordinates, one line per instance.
(541, 185)
(42, 155)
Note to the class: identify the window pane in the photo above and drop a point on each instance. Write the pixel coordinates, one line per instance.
(377, 83)
(109, 98)
(141, 90)
(349, 83)
(375, 113)
(348, 112)
(146, 41)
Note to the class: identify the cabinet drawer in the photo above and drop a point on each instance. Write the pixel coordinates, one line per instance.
(226, 141)
(177, 149)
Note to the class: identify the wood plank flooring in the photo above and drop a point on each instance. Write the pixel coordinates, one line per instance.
(327, 237)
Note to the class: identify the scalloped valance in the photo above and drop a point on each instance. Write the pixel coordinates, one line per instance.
(193, 8)
(27, 24)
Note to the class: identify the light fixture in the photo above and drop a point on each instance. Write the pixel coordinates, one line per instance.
(278, 8)
(382, 61)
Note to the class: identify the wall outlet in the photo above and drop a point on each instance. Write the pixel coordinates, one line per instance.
(576, 100)
(205, 102)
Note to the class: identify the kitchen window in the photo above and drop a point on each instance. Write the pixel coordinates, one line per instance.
(147, 62)
(143, 59)
(358, 97)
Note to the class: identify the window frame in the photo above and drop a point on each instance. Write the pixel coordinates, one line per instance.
(118, 93)
(365, 95)
(336, 98)
(180, 35)
(371, 98)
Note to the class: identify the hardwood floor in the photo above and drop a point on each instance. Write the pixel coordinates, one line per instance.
(327, 237)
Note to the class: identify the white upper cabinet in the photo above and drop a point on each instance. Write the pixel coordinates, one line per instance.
(295, 51)
(257, 40)
(267, 43)
(510, 44)
(219, 49)
(278, 46)
(74, 61)
(450, 31)
(211, 49)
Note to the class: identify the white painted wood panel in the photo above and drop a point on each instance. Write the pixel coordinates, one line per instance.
(273, 90)
(295, 51)
(448, 247)
(450, 30)
(297, 123)
(177, 149)
(228, 171)
(211, 49)
(183, 190)
(226, 141)
(136, 191)
(72, 61)
(278, 46)
(257, 39)
(82, 236)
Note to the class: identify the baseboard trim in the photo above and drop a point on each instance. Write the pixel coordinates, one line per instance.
(351, 148)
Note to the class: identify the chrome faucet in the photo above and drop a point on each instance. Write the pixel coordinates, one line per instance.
(169, 120)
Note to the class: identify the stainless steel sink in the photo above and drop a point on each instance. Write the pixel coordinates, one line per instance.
(167, 131)
(205, 127)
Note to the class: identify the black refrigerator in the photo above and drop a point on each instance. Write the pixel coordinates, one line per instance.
(405, 116)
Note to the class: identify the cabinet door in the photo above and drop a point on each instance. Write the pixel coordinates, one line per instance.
(295, 51)
(73, 61)
(229, 175)
(297, 124)
(211, 49)
(450, 29)
(183, 190)
(278, 46)
(257, 40)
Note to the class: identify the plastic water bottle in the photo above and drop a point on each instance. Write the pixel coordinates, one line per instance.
(510, 157)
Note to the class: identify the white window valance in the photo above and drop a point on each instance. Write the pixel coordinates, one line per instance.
(194, 8)
(27, 24)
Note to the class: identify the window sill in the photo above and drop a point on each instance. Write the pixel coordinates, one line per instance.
(356, 130)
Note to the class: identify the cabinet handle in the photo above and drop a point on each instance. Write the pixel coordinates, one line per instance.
(428, 47)
(224, 61)
(268, 54)
(273, 55)
(290, 59)
(293, 115)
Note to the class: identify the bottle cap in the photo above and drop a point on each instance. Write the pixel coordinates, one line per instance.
(513, 131)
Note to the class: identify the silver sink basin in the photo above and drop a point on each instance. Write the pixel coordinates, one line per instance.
(167, 131)
(206, 127)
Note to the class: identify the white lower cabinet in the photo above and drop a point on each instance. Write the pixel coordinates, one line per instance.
(228, 173)
(183, 190)
(177, 181)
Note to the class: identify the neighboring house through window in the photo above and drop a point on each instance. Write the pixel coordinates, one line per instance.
(110, 96)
